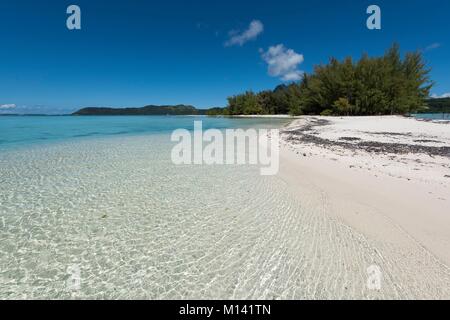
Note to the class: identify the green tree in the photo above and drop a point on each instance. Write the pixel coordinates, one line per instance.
(370, 86)
(343, 106)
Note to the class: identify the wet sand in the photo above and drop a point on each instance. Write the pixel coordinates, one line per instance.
(397, 198)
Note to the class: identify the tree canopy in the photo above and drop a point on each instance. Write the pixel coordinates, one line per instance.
(390, 84)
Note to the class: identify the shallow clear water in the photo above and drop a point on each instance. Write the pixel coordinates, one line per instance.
(101, 199)
(432, 116)
(101, 195)
(16, 131)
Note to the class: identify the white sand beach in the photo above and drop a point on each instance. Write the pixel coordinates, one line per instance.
(388, 180)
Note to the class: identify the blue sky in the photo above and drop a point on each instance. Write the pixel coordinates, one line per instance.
(133, 53)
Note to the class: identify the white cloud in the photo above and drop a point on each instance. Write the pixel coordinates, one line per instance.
(283, 62)
(240, 38)
(445, 95)
(432, 46)
(7, 106)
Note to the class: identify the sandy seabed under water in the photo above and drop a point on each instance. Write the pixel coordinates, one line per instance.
(139, 227)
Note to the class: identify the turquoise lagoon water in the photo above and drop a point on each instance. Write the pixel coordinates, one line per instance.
(28, 130)
(432, 116)
(93, 208)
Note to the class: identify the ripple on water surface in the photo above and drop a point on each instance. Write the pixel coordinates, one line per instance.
(137, 226)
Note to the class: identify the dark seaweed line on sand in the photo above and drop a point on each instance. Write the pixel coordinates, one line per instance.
(300, 135)
(372, 146)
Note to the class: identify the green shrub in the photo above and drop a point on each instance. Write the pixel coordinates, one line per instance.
(327, 112)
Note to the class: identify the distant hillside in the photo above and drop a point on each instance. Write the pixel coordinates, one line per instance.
(441, 105)
(149, 110)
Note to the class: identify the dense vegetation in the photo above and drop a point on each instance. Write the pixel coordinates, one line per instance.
(441, 105)
(147, 111)
(390, 84)
(370, 86)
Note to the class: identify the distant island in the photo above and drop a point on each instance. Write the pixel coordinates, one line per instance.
(440, 105)
(437, 105)
(150, 110)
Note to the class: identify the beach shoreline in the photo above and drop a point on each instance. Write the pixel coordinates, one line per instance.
(114, 204)
(394, 197)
